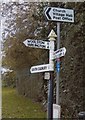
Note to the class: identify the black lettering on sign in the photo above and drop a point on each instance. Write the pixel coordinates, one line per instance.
(61, 50)
(28, 42)
(69, 15)
(57, 10)
(47, 43)
(36, 45)
(42, 46)
(43, 42)
(42, 68)
(33, 42)
(58, 18)
(34, 69)
(48, 47)
(57, 51)
(66, 18)
(59, 14)
(45, 67)
(38, 42)
(60, 54)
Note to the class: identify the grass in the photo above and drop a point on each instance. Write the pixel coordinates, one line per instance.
(16, 106)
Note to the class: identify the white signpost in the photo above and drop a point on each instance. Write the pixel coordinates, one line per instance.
(42, 68)
(59, 53)
(59, 14)
(37, 43)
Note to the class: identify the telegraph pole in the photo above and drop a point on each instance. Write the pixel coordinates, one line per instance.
(51, 37)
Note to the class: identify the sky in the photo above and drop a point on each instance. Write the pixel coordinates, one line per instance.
(6, 1)
(20, 1)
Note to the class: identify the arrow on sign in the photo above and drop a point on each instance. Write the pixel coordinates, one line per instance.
(42, 68)
(59, 53)
(47, 13)
(37, 43)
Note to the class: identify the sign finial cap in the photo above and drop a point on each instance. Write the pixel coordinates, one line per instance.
(52, 34)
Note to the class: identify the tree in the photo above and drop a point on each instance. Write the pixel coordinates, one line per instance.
(22, 22)
(9, 79)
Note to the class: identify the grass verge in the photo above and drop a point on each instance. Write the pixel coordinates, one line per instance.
(16, 106)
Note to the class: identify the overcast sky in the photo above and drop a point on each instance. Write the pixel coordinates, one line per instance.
(20, 1)
(5, 1)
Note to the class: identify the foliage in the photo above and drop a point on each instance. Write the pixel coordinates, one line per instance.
(22, 22)
(9, 79)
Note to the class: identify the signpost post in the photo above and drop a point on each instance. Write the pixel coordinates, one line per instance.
(46, 67)
(51, 37)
